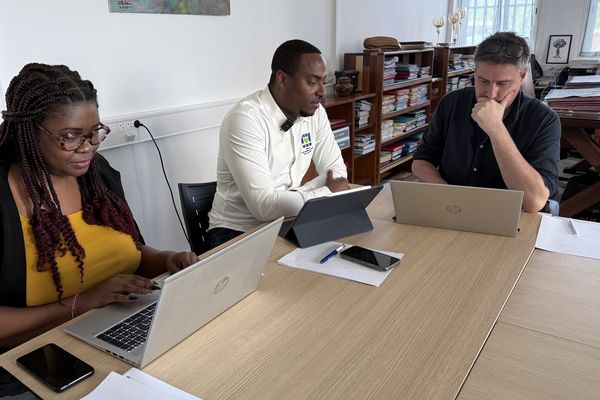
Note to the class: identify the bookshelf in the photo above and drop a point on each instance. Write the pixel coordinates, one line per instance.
(446, 72)
(344, 108)
(401, 82)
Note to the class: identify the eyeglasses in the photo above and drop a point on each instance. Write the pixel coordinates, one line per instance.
(73, 140)
(510, 49)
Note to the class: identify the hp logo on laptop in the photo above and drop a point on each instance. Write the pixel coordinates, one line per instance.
(221, 285)
(454, 209)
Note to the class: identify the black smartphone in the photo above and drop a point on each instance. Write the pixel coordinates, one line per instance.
(370, 258)
(55, 366)
(12, 388)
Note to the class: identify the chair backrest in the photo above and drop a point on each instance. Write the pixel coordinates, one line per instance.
(196, 202)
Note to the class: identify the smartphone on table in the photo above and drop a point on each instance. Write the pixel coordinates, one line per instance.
(12, 388)
(55, 366)
(370, 258)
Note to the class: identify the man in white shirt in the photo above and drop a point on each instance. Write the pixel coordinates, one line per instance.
(267, 142)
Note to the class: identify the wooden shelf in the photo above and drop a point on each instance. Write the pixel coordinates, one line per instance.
(405, 84)
(405, 135)
(442, 56)
(366, 127)
(393, 164)
(367, 169)
(405, 110)
(459, 72)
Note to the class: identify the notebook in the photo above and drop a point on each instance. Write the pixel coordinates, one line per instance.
(327, 218)
(464, 208)
(187, 301)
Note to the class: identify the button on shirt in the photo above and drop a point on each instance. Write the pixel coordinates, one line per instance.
(260, 167)
(463, 152)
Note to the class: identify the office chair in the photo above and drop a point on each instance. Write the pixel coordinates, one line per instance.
(196, 202)
(552, 207)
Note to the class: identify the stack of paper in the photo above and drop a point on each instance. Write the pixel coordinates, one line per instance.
(583, 81)
(569, 236)
(582, 102)
(136, 385)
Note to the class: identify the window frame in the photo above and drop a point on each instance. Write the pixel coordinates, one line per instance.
(588, 33)
(498, 11)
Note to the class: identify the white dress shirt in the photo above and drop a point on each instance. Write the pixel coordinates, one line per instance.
(260, 167)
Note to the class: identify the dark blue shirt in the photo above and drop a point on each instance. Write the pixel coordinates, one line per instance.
(463, 153)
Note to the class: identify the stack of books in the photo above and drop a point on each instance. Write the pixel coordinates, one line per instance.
(389, 70)
(425, 72)
(387, 130)
(363, 109)
(404, 123)
(419, 116)
(406, 72)
(410, 145)
(418, 95)
(384, 156)
(364, 143)
(388, 103)
(461, 61)
(402, 99)
(395, 150)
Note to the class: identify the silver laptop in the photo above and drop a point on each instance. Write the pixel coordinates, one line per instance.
(141, 331)
(464, 208)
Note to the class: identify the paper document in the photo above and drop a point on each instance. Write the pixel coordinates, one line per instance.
(308, 259)
(564, 93)
(134, 385)
(556, 234)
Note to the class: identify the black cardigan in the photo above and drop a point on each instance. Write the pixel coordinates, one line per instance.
(12, 248)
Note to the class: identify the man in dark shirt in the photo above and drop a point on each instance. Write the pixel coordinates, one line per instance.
(493, 135)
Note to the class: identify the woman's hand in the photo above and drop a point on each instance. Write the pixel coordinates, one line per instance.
(119, 288)
(178, 261)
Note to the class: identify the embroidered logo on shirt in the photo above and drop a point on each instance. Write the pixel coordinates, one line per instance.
(306, 143)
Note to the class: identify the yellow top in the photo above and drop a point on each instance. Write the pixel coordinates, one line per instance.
(107, 253)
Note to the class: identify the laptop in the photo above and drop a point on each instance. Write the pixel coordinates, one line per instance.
(331, 217)
(187, 301)
(463, 208)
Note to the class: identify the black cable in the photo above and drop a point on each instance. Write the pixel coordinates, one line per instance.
(137, 124)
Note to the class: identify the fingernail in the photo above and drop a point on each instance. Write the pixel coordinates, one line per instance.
(132, 297)
(155, 287)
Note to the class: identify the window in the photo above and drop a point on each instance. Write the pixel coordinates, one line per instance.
(484, 17)
(591, 37)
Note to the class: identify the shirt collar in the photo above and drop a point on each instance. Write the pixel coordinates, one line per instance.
(275, 113)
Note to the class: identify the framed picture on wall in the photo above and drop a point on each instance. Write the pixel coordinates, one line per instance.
(559, 47)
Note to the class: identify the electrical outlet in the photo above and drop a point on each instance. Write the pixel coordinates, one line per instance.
(127, 128)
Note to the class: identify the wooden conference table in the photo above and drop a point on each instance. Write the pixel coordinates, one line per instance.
(304, 335)
(546, 344)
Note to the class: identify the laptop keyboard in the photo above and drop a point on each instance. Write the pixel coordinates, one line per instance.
(132, 332)
(285, 227)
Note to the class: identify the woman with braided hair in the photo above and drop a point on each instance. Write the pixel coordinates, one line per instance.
(69, 241)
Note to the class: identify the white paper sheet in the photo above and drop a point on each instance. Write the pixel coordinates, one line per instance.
(136, 385)
(308, 259)
(556, 235)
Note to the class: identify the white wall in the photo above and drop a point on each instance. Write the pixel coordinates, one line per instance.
(179, 74)
(559, 17)
(145, 64)
(405, 20)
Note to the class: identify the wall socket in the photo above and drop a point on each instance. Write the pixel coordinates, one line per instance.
(127, 128)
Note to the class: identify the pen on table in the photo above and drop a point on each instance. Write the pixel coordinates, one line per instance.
(572, 225)
(332, 254)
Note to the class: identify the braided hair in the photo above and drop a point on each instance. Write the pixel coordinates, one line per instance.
(38, 91)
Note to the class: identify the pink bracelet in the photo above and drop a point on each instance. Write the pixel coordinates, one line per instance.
(74, 306)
